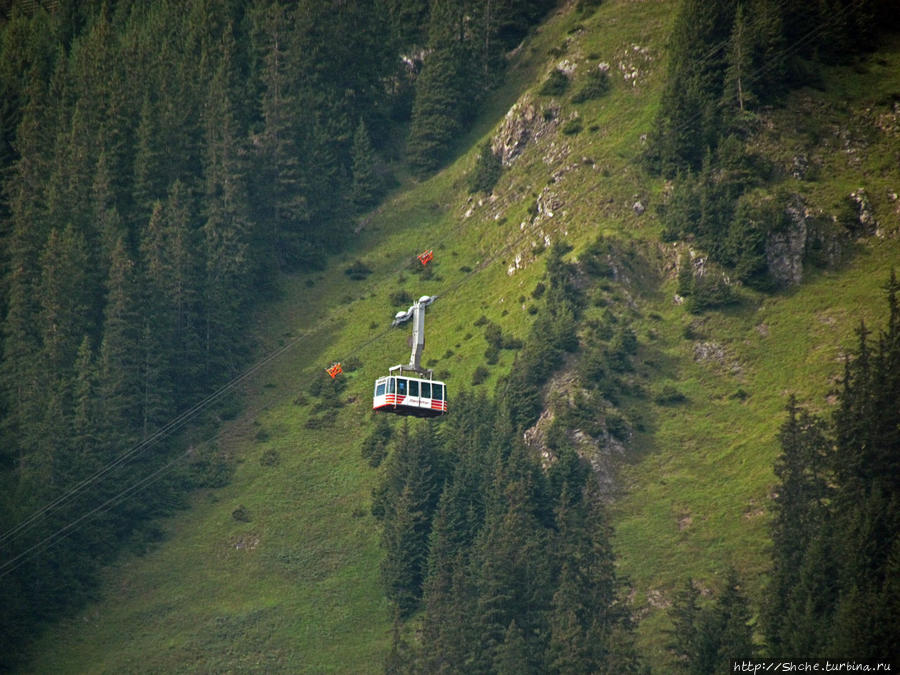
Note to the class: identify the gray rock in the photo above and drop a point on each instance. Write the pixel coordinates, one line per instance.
(786, 248)
(525, 122)
(864, 212)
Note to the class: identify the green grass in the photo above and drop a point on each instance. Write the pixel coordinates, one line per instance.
(698, 489)
(295, 588)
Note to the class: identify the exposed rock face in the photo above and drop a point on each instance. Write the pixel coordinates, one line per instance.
(525, 122)
(799, 166)
(864, 213)
(716, 355)
(785, 249)
(548, 202)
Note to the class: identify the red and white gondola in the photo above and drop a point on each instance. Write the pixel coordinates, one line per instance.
(418, 394)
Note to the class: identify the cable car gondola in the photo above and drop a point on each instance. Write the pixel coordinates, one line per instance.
(404, 395)
(411, 389)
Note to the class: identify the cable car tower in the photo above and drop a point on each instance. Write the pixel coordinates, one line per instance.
(419, 395)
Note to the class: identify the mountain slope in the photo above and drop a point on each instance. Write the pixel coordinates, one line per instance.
(279, 569)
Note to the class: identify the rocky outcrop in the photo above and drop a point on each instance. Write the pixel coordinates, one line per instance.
(525, 122)
(865, 215)
(786, 248)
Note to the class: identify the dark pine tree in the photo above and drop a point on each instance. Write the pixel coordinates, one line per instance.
(688, 121)
(406, 502)
(120, 376)
(367, 185)
(799, 511)
(441, 90)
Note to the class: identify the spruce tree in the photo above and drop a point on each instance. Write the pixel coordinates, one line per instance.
(158, 330)
(511, 568)
(66, 300)
(799, 509)
(407, 500)
(366, 188)
(487, 170)
(738, 90)
(228, 231)
(183, 289)
(439, 105)
(684, 636)
(120, 380)
(688, 121)
(512, 657)
(281, 191)
(148, 161)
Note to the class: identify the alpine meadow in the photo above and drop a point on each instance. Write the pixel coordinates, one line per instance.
(650, 422)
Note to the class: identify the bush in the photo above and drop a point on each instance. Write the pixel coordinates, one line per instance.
(572, 127)
(270, 458)
(358, 270)
(401, 297)
(556, 84)
(669, 396)
(685, 275)
(596, 86)
(486, 172)
(625, 340)
(480, 375)
(209, 468)
(617, 426)
(351, 363)
(710, 291)
(241, 514)
(323, 421)
(595, 260)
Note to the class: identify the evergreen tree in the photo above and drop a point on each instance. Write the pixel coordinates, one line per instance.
(688, 121)
(65, 301)
(511, 569)
(512, 656)
(158, 331)
(228, 231)
(737, 86)
(366, 188)
(486, 172)
(589, 629)
(85, 420)
(105, 213)
(441, 90)
(800, 509)
(684, 635)
(182, 288)
(704, 639)
(148, 161)
(406, 503)
(731, 620)
(120, 380)
(281, 190)
(838, 516)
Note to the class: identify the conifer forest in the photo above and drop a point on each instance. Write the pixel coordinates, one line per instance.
(167, 167)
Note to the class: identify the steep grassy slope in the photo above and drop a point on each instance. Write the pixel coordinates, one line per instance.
(279, 570)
